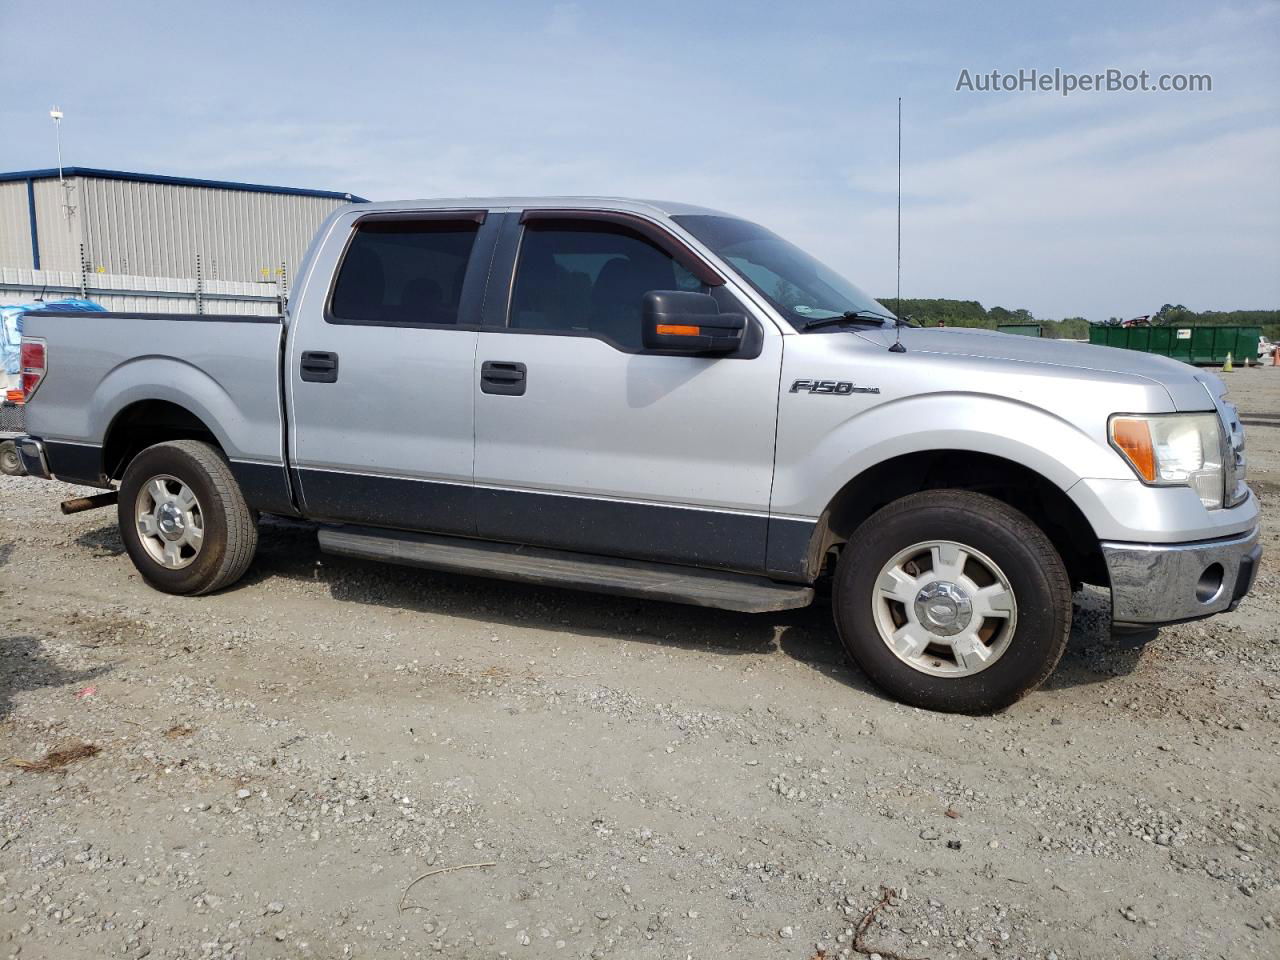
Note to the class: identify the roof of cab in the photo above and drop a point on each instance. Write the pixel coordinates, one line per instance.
(625, 204)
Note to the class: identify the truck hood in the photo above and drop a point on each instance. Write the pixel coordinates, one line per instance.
(1184, 384)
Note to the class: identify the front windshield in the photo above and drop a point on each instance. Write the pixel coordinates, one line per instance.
(799, 287)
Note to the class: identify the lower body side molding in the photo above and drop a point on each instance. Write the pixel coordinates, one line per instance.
(575, 571)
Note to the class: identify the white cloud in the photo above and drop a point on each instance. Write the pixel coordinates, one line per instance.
(1088, 204)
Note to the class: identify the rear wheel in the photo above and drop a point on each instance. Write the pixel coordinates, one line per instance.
(184, 520)
(952, 600)
(10, 462)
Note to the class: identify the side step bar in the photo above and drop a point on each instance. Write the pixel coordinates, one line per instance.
(575, 571)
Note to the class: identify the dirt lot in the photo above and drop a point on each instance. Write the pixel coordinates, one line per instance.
(275, 766)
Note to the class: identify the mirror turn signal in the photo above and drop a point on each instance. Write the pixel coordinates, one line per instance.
(683, 322)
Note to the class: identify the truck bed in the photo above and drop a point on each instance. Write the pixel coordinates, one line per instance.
(225, 370)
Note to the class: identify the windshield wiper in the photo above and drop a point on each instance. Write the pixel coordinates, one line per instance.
(850, 316)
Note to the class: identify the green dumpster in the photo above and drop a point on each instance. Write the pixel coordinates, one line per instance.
(1022, 329)
(1203, 346)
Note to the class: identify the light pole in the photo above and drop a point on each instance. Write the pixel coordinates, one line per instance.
(68, 208)
(56, 115)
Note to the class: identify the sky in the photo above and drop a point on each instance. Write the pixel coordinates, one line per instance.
(1094, 204)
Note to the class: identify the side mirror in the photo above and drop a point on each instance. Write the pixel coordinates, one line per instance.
(684, 322)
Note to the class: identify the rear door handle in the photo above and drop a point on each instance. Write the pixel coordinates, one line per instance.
(503, 377)
(319, 366)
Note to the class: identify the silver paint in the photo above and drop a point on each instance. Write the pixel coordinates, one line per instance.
(712, 433)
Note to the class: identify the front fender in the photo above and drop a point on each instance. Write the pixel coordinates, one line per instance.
(809, 475)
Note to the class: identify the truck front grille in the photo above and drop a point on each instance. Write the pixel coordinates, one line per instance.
(1234, 465)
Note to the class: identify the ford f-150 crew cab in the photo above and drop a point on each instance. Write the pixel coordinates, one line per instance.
(659, 400)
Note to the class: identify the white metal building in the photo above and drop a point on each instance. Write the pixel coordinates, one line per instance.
(143, 242)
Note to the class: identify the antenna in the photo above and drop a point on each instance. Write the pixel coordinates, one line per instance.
(897, 305)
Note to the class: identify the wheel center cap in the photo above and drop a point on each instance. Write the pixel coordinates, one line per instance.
(943, 608)
(169, 518)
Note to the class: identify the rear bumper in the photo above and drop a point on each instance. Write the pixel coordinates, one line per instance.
(1157, 583)
(34, 461)
(65, 460)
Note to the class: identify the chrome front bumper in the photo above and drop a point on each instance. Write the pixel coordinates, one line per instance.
(31, 452)
(1156, 583)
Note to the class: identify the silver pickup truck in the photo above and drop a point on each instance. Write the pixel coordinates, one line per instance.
(659, 400)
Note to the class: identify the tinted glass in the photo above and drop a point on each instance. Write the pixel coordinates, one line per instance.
(590, 278)
(403, 272)
(798, 286)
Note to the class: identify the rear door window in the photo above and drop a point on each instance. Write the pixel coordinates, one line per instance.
(403, 272)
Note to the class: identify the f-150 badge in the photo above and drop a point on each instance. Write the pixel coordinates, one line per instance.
(840, 388)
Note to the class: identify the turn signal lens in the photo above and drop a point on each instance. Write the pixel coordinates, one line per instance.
(1133, 438)
(679, 329)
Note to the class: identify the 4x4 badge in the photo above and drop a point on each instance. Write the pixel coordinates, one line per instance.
(840, 388)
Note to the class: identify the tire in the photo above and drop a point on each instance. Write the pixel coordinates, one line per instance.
(10, 462)
(228, 528)
(995, 651)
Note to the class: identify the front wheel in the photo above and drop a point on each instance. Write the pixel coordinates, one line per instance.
(952, 600)
(184, 520)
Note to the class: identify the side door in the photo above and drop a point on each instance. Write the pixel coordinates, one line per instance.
(587, 441)
(380, 372)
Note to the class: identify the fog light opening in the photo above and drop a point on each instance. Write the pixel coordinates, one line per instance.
(1210, 584)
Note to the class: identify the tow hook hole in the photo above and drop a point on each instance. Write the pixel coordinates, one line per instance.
(1210, 584)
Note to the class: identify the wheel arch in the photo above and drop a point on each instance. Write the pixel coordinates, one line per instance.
(143, 423)
(241, 426)
(1045, 502)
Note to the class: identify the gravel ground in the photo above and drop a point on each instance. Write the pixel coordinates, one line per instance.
(603, 777)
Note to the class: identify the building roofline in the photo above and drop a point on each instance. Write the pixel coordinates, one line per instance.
(51, 173)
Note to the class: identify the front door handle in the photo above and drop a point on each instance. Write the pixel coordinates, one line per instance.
(503, 378)
(319, 366)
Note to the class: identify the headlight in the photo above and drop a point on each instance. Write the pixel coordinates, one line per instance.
(1174, 449)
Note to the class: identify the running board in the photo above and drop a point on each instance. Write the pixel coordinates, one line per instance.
(575, 571)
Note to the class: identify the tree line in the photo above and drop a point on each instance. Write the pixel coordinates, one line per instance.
(971, 313)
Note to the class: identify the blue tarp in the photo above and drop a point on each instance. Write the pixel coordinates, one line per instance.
(11, 327)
